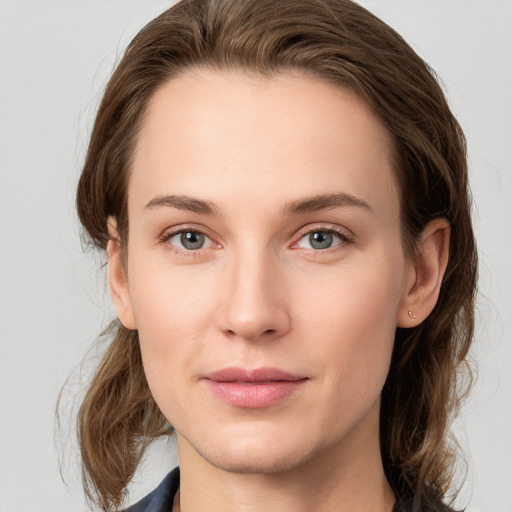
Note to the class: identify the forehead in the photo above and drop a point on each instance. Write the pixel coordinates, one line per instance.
(225, 134)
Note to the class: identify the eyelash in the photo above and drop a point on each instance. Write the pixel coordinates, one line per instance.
(343, 234)
(167, 235)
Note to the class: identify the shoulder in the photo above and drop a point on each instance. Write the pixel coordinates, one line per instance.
(161, 499)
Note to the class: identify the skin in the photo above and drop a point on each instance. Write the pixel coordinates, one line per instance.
(258, 294)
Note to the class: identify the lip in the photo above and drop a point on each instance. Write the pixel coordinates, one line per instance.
(257, 388)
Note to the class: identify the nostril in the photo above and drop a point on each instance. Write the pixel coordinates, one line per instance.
(252, 323)
(267, 333)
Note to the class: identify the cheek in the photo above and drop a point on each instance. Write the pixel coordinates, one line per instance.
(354, 321)
(172, 313)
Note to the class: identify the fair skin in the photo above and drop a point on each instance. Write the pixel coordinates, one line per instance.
(264, 232)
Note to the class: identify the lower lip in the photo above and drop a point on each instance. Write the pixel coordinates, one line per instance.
(255, 394)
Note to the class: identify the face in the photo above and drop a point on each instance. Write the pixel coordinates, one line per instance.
(265, 269)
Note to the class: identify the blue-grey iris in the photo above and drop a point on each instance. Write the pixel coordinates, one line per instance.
(320, 240)
(192, 240)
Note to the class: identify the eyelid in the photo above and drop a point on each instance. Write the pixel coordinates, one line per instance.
(346, 235)
(169, 233)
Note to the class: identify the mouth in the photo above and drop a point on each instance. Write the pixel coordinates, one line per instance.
(258, 388)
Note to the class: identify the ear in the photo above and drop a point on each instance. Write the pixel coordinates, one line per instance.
(118, 279)
(426, 274)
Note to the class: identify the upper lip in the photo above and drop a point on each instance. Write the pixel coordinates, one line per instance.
(234, 374)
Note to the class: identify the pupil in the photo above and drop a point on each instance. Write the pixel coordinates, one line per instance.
(192, 240)
(320, 240)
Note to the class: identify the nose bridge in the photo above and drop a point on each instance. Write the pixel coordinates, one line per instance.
(255, 304)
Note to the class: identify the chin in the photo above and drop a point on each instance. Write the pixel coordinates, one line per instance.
(257, 454)
(263, 462)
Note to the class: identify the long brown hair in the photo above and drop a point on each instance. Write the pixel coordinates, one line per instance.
(341, 42)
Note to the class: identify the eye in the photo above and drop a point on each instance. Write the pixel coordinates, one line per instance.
(188, 240)
(321, 239)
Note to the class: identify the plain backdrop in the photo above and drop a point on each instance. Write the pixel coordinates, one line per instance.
(55, 57)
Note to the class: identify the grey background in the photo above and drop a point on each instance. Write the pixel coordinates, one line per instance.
(55, 57)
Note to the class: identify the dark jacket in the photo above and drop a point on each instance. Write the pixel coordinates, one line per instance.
(161, 499)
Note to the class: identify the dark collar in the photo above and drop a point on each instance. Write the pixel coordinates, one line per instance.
(161, 499)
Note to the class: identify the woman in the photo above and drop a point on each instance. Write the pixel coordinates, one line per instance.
(281, 190)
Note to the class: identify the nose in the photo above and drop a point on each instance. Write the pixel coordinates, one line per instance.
(255, 305)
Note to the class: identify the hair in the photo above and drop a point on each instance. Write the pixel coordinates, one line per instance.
(340, 42)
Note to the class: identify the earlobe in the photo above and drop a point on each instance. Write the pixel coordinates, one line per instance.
(117, 279)
(426, 276)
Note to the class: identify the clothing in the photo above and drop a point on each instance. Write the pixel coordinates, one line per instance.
(161, 499)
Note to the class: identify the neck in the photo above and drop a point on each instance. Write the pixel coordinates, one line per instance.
(348, 477)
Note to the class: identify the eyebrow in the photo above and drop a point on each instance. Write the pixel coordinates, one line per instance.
(183, 203)
(305, 205)
(325, 201)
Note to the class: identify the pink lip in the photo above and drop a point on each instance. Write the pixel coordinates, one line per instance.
(256, 388)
